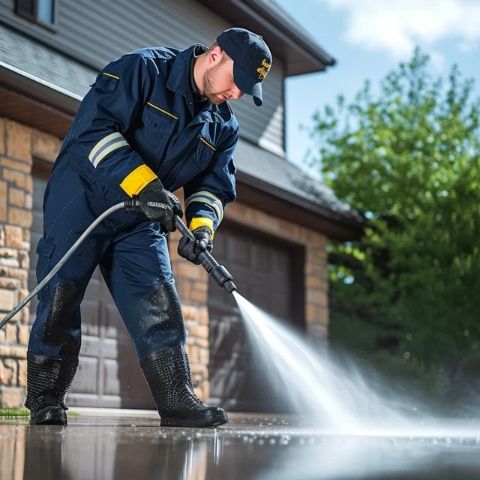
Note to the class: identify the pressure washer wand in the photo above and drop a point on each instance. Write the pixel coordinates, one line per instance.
(218, 272)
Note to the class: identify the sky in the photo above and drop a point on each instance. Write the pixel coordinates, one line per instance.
(369, 38)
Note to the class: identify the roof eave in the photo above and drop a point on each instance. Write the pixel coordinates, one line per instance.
(37, 89)
(31, 101)
(337, 225)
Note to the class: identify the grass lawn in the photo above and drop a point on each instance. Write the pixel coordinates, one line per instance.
(14, 412)
(23, 412)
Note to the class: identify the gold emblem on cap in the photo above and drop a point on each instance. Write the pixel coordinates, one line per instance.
(263, 69)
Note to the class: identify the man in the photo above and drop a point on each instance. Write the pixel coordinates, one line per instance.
(155, 120)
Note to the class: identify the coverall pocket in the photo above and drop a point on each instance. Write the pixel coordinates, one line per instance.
(158, 119)
(106, 83)
(204, 152)
(44, 250)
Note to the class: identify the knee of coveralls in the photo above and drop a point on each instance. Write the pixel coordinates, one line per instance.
(67, 212)
(138, 274)
(56, 329)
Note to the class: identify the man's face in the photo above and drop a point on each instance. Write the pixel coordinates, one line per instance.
(218, 81)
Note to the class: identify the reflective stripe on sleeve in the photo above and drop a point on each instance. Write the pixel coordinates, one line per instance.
(105, 146)
(208, 199)
(137, 180)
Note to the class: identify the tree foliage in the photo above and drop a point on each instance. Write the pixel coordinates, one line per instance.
(408, 159)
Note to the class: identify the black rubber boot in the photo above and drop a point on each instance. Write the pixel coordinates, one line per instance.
(168, 376)
(48, 380)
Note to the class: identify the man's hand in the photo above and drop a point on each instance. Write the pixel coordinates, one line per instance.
(160, 205)
(191, 249)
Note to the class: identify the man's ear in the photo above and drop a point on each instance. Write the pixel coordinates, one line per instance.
(215, 54)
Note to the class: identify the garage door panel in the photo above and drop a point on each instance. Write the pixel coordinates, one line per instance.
(111, 384)
(263, 299)
(86, 376)
(262, 269)
(90, 313)
(219, 245)
(281, 304)
(227, 335)
(262, 259)
(90, 345)
(94, 290)
(114, 328)
(239, 252)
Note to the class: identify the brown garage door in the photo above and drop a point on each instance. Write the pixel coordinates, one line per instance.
(269, 274)
(108, 373)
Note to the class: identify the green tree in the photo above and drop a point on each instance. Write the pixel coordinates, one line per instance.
(408, 159)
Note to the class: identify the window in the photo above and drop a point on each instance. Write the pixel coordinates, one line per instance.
(40, 11)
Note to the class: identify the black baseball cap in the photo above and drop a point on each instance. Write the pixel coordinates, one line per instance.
(251, 60)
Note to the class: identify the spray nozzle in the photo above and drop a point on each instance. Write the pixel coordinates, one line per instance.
(223, 278)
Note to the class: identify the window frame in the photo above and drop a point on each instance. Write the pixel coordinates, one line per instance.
(33, 17)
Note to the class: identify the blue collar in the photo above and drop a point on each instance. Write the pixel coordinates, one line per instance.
(179, 77)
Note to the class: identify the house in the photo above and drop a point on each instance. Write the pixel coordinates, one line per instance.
(273, 239)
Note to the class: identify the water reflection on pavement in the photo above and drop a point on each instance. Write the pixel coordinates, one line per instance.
(260, 447)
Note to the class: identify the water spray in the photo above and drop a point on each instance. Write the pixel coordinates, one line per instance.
(218, 272)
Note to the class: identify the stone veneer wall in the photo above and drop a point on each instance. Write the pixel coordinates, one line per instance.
(16, 187)
(19, 145)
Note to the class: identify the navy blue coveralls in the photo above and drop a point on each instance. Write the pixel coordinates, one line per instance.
(138, 121)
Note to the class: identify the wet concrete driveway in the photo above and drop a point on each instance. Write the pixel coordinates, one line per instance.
(114, 446)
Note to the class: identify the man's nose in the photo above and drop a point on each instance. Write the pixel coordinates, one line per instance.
(236, 93)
